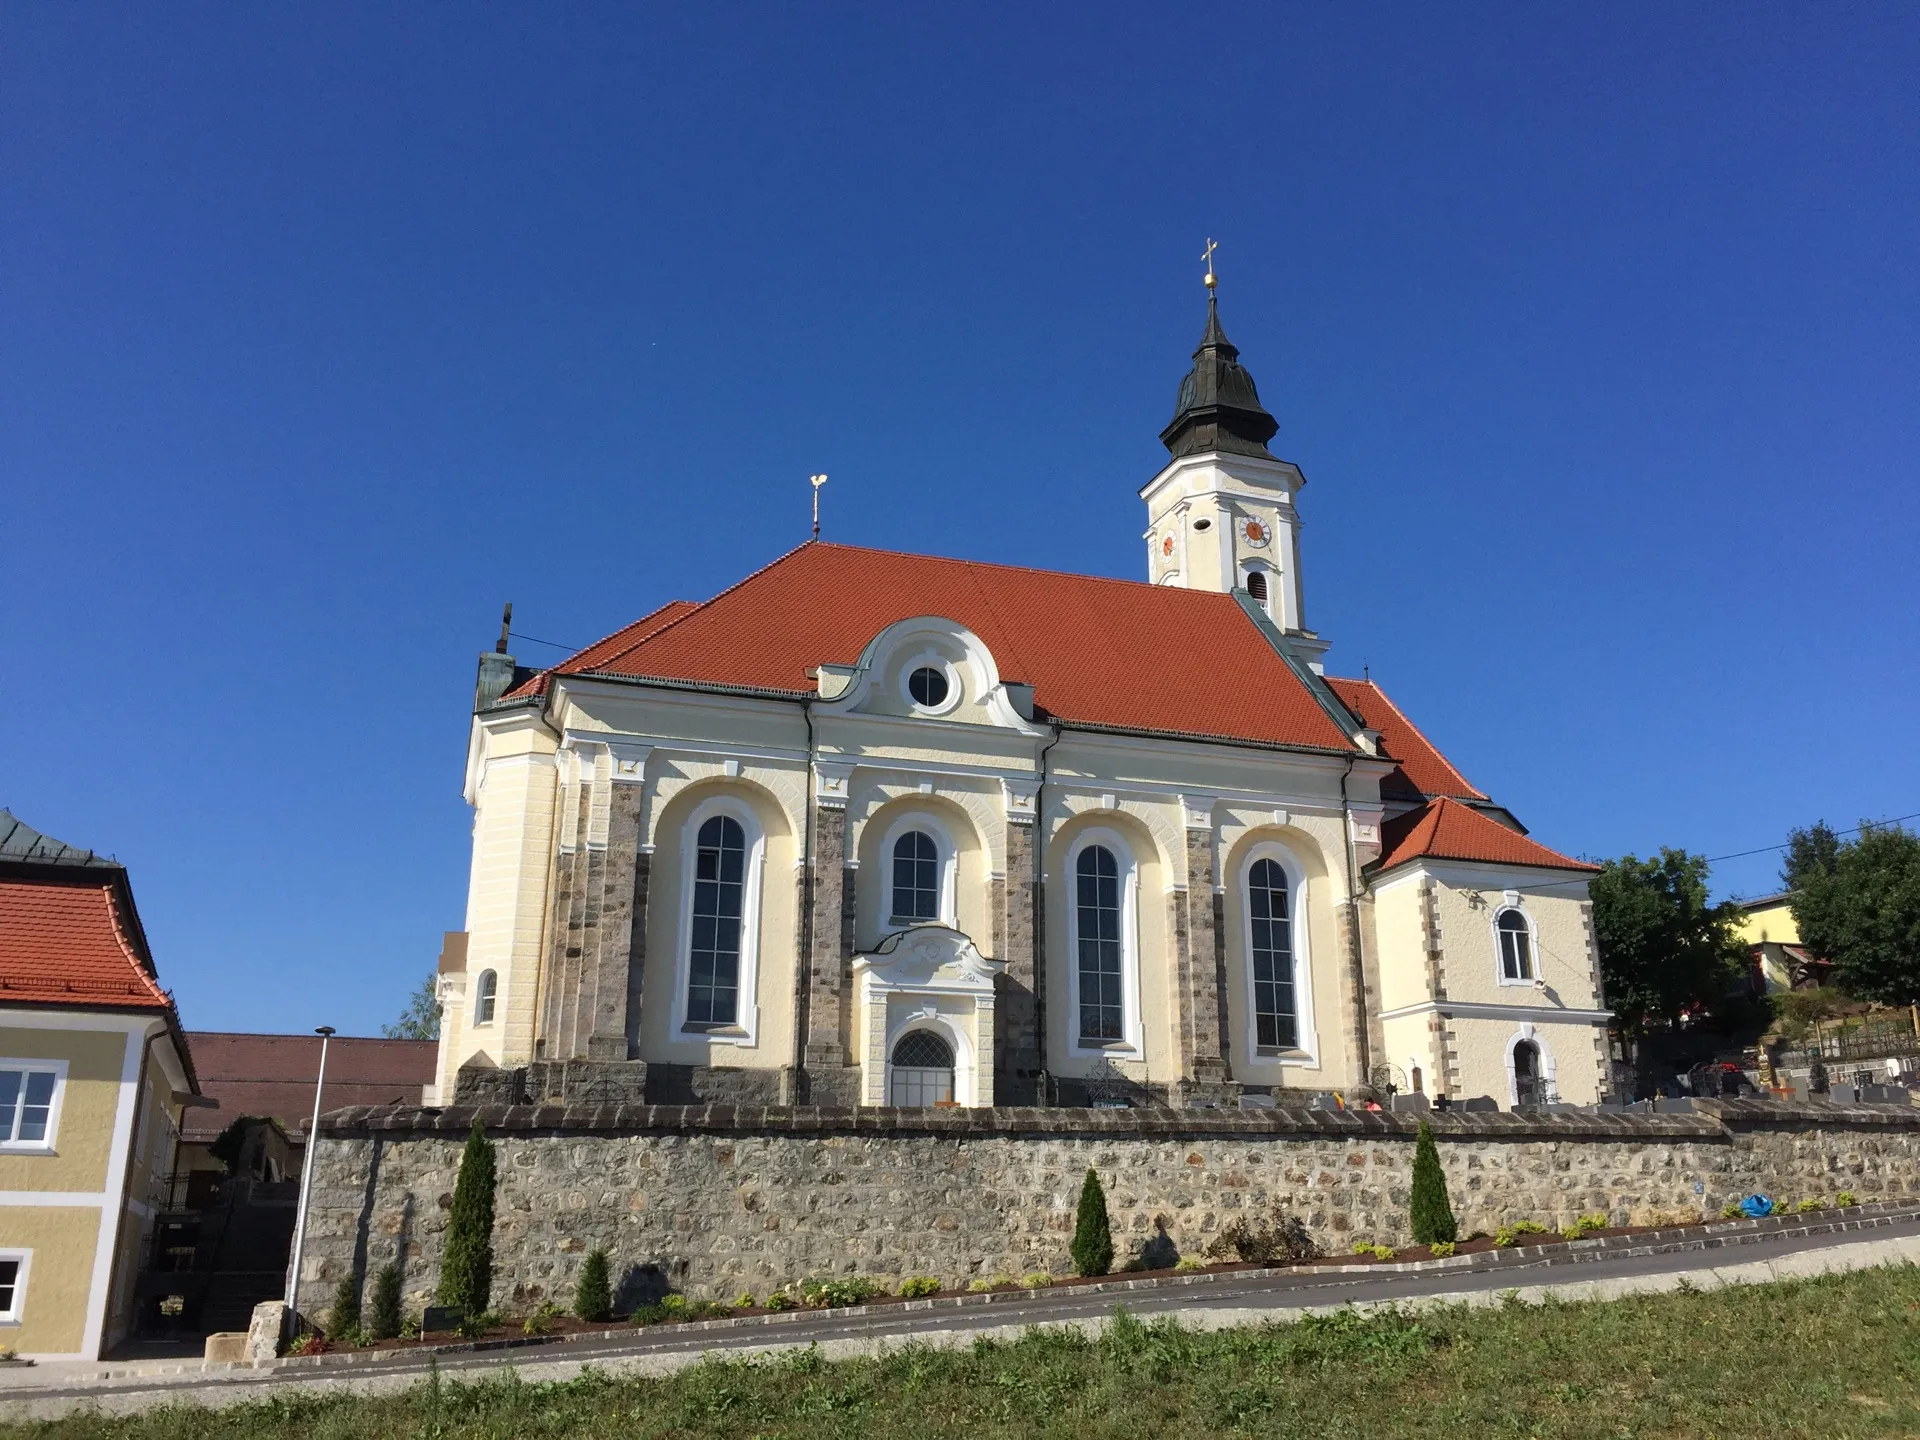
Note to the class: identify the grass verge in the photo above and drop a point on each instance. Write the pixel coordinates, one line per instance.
(1832, 1357)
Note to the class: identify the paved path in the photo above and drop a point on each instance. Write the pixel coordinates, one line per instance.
(1222, 1301)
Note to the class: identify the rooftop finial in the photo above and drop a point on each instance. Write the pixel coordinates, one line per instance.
(817, 481)
(1207, 255)
(506, 624)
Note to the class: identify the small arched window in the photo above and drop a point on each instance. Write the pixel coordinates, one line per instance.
(483, 997)
(1516, 945)
(1097, 909)
(1526, 1073)
(1275, 1011)
(719, 885)
(922, 1070)
(1257, 585)
(916, 877)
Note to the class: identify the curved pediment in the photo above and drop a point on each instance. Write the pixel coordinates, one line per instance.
(968, 685)
(930, 957)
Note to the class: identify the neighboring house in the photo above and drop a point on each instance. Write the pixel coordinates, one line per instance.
(270, 1078)
(1779, 960)
(871, 828)
(94, 1075)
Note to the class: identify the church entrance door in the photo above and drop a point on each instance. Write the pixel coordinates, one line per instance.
(922, 1070)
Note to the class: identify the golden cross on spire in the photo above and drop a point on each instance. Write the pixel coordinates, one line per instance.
(1207, 255)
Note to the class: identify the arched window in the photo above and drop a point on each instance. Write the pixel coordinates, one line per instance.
(1516, 945)
(916, 877)
(1527, 1089)
(1097, 910)
(922, 1072)
(1257, 585)
(483, 995)
(1276, 1015)
(713, 958)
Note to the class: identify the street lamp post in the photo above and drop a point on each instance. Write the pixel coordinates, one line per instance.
(325, 1032)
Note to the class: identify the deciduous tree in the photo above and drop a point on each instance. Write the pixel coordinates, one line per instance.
(1863, 913)
(1664, 948)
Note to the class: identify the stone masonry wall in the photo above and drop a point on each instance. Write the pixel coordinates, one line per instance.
(715, 1200)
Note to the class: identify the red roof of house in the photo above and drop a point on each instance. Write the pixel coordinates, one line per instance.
(1111, 653)
(273, 1075)
(1426, 769)
(63, 941)
(1445, 829)
(625, 638)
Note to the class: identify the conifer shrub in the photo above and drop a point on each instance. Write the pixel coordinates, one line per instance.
(344, 1318)
(1092, 1248)
(466, 1269)
(385, 1321)
(593, 1291)
(1432, 1214)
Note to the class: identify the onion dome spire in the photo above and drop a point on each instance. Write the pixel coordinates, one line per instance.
(1218, 407)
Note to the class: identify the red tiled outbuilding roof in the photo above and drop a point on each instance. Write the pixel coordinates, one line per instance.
(64, 941)
(1115, 654)
(1425, 768)
(1445, 829)
(273, 1075)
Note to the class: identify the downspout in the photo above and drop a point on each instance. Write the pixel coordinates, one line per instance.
(802, 1007)
(1045, 1080)
(1355, 967)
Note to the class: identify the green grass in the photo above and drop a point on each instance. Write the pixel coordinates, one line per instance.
(1833, 1357)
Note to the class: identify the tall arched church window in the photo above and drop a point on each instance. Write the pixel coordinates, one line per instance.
(483, 997)
(1276, 1014)
(1516, 945)
(1098, 911)
(916, 877)
(719, 885)
(922, 1070)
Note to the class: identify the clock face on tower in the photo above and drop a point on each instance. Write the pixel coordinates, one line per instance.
(1255, 533)
(1166, 547)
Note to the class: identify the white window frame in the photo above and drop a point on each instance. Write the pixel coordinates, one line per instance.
(946, 857)
(58, 1068)
(1548, 1071)
(931, 660)
(482, 995)
(1265, 568)
(1533, 946)
(1306, 1051)
(965, 1081)
(14, 1314)
(1131, 1043)
(745, 1030)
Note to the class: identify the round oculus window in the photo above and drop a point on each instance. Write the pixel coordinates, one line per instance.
(928, 687)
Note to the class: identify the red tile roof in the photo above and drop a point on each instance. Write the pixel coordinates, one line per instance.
(1445, 829)
(1111, 653)
(1425, 767)
(63, 941)
(274, 1074)
(596, 654)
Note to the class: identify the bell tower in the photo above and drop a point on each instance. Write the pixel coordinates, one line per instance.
(1221, 515)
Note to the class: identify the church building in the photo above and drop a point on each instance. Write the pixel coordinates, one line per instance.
(880, 829)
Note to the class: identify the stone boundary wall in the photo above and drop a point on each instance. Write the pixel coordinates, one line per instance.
(714, 1200)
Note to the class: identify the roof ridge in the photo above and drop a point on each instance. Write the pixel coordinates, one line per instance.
(998, 565)
(691, 606)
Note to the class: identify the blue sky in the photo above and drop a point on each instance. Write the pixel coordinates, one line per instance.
(324, 331)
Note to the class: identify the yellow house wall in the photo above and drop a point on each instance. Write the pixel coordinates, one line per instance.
(1409, 1042)
(1562, 954)
(1482, 1046)
(82, 1145)
(1773, 925)
(1399, 924)
(63, 1241)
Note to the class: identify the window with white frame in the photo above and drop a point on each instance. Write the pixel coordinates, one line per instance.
(1276, 1015)
(1104, 980)
(922, 1070)
(29, 1103)
(1515, 937)
(916, 877)
(13, 1284)
(484, 995)
(719, 895)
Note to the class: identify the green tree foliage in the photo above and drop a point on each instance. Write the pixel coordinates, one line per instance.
(1092, 1235)
(466, 1269)
(593, 1291)
(1664, 949)
(1433, 1220)
(421, 1019)
(1863, 914)
(384, 1321)
(1811, 853)
(344, 1317)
